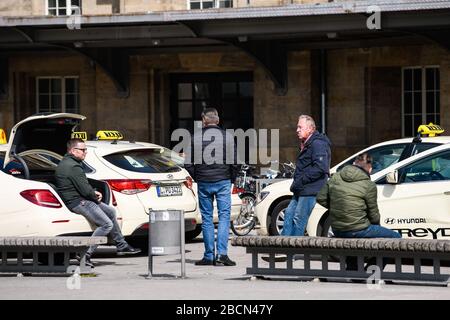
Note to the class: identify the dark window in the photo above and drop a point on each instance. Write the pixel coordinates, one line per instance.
(58, 94)
(383, 157)
(421, 98)
(145, 161)
(432, 168)
(63, 7)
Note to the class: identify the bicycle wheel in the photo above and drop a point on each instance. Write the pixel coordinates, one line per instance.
(246, 220)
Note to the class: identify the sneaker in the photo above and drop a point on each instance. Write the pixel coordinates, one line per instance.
(88, 261)
(277, 258)
(128, 250)
(204, 262)
(224, 260)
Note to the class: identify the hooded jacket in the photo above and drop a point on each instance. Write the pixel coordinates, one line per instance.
(71, 182)
(351, 198)
(313, 166)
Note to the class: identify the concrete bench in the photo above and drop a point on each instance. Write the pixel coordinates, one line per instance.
(417, 261)
(45, 254)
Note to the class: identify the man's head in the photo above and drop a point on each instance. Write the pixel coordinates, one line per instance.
(364, 161)
(77, 148)
(305, 127)
(210, 116)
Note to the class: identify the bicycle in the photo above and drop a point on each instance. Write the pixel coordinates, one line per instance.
(247, 188)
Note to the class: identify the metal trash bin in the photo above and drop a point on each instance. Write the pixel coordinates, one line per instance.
(166, 236)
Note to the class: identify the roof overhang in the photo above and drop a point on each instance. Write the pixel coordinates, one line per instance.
(266, 33)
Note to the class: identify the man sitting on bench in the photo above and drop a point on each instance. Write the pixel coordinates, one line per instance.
(351, 198)
(73, 187)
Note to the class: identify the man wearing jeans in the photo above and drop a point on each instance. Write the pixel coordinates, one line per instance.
(351, 198)
(210, 149)
(311, 173)
(79, 196)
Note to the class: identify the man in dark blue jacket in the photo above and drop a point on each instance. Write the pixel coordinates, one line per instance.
(214, 167)
(311, 173)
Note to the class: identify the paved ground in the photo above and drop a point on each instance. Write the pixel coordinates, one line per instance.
(125, 278)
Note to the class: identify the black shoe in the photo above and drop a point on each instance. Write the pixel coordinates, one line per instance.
(204, 262)
(224, 261)
(128, 250)
(88, 261)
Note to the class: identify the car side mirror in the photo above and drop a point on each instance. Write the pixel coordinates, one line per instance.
(392, 177)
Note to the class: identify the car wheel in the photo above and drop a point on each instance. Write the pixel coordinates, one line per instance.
(191, 235)
(277, 218)
(324, 229)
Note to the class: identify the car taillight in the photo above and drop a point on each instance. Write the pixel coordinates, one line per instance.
(114, 201)
(189, 182)
(43, 198)
(237, 190)
(127, 186)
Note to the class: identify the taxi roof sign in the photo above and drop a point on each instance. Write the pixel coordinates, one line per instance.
(79, 135)
(431, 129)
(109, 135)
(3, 137)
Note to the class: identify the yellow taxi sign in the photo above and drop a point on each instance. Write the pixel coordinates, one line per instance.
(79, 135)
(430, 129)
(3, 137)
(109, 135)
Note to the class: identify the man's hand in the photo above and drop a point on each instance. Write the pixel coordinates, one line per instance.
(99, 196)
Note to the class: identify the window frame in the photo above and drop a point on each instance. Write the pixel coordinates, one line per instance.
(402, 170)
(63, 92)
(423, 93)
(69, 10)
(216, 4)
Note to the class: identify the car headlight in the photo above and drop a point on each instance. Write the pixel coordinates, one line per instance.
(262, 196)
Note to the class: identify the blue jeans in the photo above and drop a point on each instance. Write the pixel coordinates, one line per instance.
(104, 217)
(297, 214)
(372, 231)
(207, 191)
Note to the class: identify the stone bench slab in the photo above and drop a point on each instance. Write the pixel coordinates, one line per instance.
(60, 242)
(377, 244)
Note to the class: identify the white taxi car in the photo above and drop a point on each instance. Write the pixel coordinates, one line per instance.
(274, 199)
(164, 183)
(413, 196)
(30, 205)
(140, 177)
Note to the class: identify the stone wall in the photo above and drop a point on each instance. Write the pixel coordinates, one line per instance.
(145, 114)
(22, 7)
(346, 94)
(105, 7)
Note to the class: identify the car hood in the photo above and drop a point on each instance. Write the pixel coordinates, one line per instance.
(49, 132)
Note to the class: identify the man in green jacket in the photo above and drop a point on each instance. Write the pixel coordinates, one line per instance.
(351, 198)
(79, 196)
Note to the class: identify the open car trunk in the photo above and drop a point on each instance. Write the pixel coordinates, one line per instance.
(36, 145)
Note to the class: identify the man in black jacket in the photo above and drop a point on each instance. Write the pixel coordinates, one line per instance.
(210, 149)
(311, 173)
(79, 196)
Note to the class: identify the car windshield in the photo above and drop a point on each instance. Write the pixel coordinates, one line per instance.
(145, 161)
(173, 156)
(383, 156)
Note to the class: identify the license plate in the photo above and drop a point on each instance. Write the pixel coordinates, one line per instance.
(169, 191)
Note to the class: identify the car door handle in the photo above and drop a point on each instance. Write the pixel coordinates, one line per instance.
(447, 193)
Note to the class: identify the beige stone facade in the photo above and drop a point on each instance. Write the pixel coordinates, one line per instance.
(353, 122)
(22, 7)
(91, 7)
